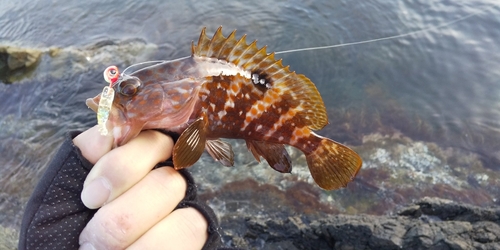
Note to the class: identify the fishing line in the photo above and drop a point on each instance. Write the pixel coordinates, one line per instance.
(380, 39)
(147, 64)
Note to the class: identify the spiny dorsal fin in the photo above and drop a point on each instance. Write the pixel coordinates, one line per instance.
(257, 61)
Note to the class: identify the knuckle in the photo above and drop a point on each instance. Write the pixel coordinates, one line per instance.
(170, 181)
(195, 224)
(109, 230)
(161, 144)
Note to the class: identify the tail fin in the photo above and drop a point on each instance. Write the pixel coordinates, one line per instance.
(333, 165)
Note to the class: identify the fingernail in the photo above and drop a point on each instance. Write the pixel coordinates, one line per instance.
(96, 193)
(87, 246)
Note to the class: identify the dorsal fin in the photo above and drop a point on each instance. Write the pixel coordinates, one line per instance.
(250, 58)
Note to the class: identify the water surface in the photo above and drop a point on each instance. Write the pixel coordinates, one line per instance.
(424, 106)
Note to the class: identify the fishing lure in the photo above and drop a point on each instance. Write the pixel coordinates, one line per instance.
(107, 96)
(111, 75)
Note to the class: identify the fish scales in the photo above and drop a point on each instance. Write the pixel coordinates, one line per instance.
(271, 124)
(229, 89)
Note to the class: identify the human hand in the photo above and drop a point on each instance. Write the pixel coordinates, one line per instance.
(136, 204)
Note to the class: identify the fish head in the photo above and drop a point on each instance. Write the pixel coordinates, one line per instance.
(134, 104)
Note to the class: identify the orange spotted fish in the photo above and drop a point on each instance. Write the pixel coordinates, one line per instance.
(227, 89)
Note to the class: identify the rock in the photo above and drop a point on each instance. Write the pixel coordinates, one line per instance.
(486, 232)
(8, 238)
(21, 58)
(432, 224)
(15, 61)
(18, 63)
(449, 210)
(16, 58)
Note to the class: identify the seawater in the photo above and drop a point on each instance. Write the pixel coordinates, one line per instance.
(438, 91)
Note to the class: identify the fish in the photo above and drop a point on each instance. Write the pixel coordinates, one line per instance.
(232, 89)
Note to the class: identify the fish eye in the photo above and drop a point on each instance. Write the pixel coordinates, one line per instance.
(130, 86)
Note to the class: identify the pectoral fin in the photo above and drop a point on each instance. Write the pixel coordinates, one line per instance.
(190, 144)
(275, 154)
(221, 151)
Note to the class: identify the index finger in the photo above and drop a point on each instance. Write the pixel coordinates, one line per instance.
(92, 144)
(119, 169)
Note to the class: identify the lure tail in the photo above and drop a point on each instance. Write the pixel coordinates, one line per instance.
(332, 165)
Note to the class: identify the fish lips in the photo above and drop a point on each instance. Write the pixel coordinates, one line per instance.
(122, 133)
(121, 130)
(93, 103)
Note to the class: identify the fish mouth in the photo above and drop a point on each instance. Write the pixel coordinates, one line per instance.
(117, 132)
(120, 135)
(124, 133)
(121, 130)
(93, 103)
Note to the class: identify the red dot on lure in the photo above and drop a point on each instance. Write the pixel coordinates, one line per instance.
(111, 74)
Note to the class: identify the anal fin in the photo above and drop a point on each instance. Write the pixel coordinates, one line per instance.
(190, 145)
(275, 154)
(221, 151)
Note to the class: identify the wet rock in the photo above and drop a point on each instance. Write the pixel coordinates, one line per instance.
(430, 223)
(17, 58)
(450, 210)
(15, 62)
(396, 170)
(8, 238)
